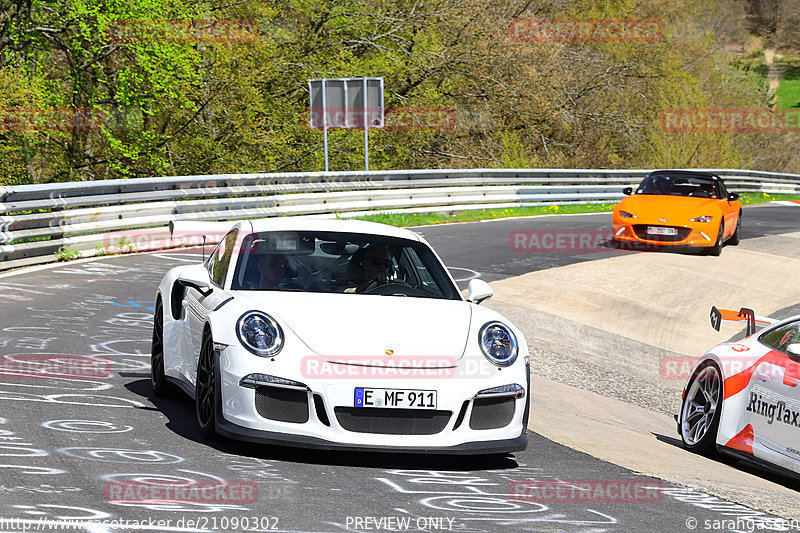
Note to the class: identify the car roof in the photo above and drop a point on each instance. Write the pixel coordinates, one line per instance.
(697, 173)
(305, 223)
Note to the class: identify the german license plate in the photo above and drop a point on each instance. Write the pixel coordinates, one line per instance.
(395, 398)
(657, 230)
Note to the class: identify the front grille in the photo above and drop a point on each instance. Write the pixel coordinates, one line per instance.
(392, 421)
(641, 232)
(491, 413)
(283, 405)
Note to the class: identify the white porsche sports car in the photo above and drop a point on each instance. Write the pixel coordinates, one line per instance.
(743, 397)
(337, 334)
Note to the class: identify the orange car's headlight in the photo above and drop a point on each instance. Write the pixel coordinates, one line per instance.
(625, 214)
(706, 218)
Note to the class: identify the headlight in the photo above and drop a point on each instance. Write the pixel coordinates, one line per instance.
(260, 334)
(705, 218)
(513, 389)
(625, 214)
(498, 344)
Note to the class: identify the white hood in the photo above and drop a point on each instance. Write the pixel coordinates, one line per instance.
(342, 325)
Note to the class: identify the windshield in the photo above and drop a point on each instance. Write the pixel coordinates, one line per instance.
(679, 185)
(346, 263)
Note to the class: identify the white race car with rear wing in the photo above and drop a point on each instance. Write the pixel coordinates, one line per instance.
(336, 334)
(743, 397)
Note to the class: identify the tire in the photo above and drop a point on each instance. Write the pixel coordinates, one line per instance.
(158, 379)
(716, 250)
(734, 240)
(701, 409)
(206, 400)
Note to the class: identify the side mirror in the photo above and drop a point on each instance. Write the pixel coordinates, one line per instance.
(794, 349)
(478, 291)
(196, 277)
(732, 196)
(627, 191)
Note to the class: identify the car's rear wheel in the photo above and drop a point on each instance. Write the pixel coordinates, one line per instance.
(717, 248)
(205, 388)
(701, 409)
(734, 240)
(157, 376)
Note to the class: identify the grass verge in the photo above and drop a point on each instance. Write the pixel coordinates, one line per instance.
(789, 89)
(428, 219)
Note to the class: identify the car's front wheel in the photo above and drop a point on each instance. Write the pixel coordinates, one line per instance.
(717, 248)
(701, 409)
(157, 376)
(205, 388)
(734, 240)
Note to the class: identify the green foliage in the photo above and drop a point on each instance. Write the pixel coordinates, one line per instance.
(65, 254)
(515, 154)
(156, 101)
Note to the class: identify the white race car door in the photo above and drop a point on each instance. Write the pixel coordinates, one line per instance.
(773, 404)
(197, 305)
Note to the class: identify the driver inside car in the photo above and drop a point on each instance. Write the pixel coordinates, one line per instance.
(376, 261)
(376, 267)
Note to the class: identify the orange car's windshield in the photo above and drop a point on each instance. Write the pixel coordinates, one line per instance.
(669, 185)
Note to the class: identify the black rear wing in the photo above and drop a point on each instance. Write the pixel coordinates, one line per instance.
(754, 323)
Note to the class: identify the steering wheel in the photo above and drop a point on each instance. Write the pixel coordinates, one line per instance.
(379, 279)
(380, 284)
(395, 288)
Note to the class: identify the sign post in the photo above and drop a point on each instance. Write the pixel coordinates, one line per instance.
(325, 124)
(346, 103)
(366, 128)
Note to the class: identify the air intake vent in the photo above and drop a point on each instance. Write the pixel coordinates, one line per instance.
(392, 421)
(491, 413)
(681, 233)
(283, 405)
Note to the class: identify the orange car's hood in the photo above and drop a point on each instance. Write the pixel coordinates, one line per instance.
(670, 210)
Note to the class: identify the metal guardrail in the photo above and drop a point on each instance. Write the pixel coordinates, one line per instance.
(36, 221)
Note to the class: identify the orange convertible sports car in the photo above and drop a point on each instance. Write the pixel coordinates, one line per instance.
(679, 208)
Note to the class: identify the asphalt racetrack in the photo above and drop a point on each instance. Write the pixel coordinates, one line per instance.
(67, 445)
